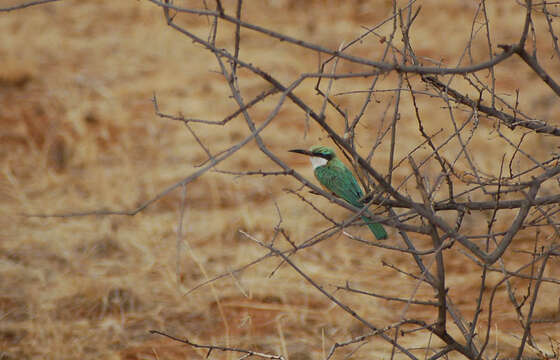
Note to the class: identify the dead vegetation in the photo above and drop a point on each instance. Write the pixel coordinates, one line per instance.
(79, 133)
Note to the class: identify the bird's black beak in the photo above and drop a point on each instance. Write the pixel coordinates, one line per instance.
(301, 151)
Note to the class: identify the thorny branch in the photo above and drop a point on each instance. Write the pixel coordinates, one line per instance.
(211, 348)
(445, 193)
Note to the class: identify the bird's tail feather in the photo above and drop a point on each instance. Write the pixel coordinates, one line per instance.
(377, 229)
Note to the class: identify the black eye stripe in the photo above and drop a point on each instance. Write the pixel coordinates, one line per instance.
(324, 156)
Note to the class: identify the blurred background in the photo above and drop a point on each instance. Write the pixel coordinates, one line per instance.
(78, 132)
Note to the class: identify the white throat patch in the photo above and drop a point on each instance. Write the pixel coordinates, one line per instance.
(317, 161)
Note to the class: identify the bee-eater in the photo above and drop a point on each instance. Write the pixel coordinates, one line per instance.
(339, 180)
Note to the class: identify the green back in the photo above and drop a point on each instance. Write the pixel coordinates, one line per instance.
(338, 179)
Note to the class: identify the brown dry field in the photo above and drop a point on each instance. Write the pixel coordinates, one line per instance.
(78, 132)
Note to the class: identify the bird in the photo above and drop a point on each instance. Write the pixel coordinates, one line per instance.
(335, 177)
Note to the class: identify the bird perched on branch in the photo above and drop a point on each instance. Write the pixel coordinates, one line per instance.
(335, 177)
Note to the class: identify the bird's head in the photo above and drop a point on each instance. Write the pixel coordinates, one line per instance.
(319, 155)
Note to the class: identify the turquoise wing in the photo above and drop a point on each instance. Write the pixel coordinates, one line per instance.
(340, 181)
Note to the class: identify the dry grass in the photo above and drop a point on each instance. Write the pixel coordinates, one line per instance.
(78, 132)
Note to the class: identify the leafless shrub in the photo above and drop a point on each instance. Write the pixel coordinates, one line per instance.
(442, 193)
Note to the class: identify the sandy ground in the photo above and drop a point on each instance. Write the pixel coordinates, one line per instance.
(78, 132)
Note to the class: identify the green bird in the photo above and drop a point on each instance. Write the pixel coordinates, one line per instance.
(339, 180)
